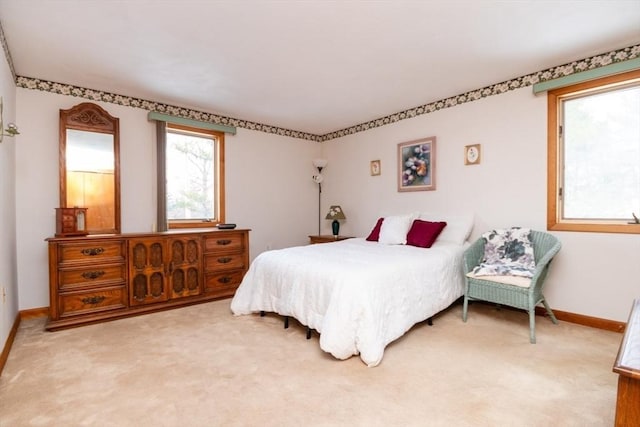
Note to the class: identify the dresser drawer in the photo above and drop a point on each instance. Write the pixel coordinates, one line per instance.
(77, 303)
(98, 275)
(89, 252)
(216, 262)
(227, 242)
(223, 283)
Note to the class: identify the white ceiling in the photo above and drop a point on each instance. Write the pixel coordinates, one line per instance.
(314, 66)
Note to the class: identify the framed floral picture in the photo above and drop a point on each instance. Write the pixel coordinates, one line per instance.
(416, 165)
(375, 167)
(472, 154)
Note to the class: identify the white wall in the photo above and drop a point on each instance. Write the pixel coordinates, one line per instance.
(268, 184)
(594, 274)
(8, 275)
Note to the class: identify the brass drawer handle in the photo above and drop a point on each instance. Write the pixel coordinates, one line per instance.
(93, 300)
(92, 251)
(91, 275)
(223, 242)
(224, 279)
(224, 260)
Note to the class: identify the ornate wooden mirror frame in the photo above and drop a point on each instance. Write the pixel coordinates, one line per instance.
(90, 166)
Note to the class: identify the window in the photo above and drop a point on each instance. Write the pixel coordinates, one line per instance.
(194, 177)
(594, 155)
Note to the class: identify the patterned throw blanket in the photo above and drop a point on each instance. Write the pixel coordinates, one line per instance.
(507, 252)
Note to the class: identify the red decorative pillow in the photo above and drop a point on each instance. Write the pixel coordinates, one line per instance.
(424, 233)
(375, 233)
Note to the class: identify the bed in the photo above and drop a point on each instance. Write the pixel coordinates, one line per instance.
(359, 295)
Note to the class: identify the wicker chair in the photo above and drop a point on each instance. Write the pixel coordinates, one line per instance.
(545, 247)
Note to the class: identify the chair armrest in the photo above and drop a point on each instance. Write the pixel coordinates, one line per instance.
(543, 263)
(473, 255)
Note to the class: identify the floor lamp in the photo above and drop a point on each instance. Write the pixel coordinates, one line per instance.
(319, 164)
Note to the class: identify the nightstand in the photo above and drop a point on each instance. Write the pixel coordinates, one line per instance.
(326, 238)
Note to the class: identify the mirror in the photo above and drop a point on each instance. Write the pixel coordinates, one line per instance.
(90, 166)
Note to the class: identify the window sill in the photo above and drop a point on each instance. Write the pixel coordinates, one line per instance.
(594, 228)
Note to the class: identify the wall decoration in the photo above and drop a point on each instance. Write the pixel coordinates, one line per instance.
(11, 130)
(416, 165)
(593, 62)
(472, 154)
(375, 168)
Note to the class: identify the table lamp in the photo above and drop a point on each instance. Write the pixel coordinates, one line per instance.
(335, 213)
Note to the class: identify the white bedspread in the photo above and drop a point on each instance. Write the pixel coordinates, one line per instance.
(358, 295)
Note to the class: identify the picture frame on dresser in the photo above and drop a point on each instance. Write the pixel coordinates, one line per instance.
(71, 222)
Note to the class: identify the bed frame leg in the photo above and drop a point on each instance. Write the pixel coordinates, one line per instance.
(262, 313)
(308, 332)
(286, 322)
(430, 321)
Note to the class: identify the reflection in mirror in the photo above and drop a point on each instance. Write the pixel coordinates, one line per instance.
(89, 166)
(90, 176)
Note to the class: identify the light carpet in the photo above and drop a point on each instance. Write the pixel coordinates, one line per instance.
(201, 366)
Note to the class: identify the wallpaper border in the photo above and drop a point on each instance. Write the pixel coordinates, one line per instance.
(159, 107)
(593, 62)
(590, 63)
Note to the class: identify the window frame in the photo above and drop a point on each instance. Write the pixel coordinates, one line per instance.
(555, 161)
(219, 184)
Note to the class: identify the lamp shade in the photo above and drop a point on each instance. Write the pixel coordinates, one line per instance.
(320, 163)
(335, 212)
(12, 130)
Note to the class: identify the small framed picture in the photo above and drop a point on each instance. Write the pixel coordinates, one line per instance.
(472, 154)
(375, 167)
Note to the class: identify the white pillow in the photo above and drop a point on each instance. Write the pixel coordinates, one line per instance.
(458, 227)
(395, 228)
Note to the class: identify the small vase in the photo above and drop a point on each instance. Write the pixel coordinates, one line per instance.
(335, 226)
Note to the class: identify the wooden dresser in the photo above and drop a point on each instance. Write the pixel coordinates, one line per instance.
(98, 278)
